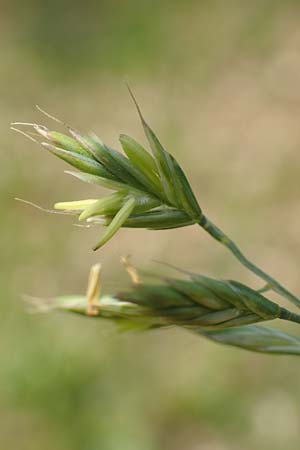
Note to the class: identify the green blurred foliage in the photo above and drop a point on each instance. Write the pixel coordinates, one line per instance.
(218, 82)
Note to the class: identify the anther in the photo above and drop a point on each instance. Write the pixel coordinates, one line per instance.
(130, 269)
(93, 290)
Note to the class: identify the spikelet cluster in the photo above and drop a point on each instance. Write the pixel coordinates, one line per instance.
(224, 311)
(150, 190)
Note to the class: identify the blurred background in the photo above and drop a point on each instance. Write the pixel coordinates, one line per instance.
(219, 83)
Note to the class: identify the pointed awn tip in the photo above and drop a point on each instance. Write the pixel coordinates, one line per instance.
(172, 266)
(56, 119)
(50, 115)
(40, 208)
(37, 305)
(135, 101)
(28, 136)
(28, 124)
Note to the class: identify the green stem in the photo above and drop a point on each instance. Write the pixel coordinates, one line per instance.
(218, 234)
(265, 288)
(288, 315)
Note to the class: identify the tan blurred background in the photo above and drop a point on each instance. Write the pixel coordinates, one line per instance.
(219, 83)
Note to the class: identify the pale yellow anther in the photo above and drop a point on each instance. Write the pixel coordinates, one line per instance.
(93, 290)
(130, 269)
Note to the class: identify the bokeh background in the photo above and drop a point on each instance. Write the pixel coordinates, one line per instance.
(219, 82)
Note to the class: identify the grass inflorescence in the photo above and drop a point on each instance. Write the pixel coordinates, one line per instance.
(151, 190)
(224, 311)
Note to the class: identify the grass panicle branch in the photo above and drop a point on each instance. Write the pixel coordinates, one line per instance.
(151, 190)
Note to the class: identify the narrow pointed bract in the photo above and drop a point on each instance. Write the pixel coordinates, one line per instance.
(144, 162)
(104, 206)
(83, 163)
(117, 222)
(63, 141)
(101, 181)
(139, 156)
(257, 339)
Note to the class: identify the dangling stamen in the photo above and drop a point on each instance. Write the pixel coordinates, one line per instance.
(93, 290)
(130, 269)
